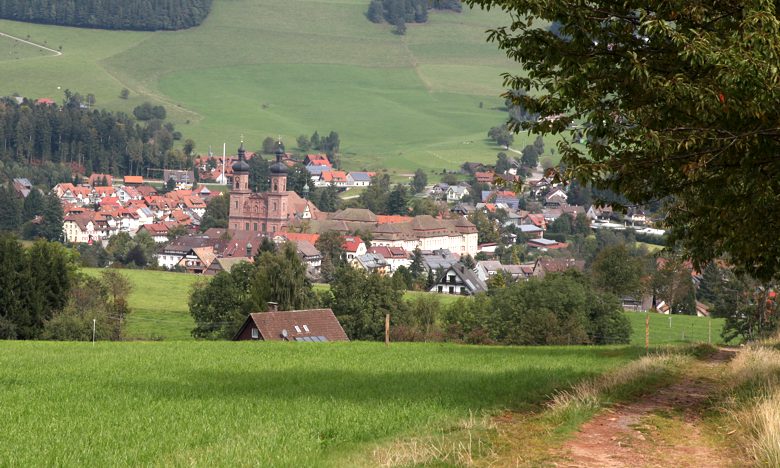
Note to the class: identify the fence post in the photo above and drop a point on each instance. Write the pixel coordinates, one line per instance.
(387, 330)
(647, 332)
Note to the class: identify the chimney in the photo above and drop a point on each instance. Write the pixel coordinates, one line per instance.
(273, 307)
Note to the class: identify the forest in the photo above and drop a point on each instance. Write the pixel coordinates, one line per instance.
(142, 15)
(400, 12)
(87, 140)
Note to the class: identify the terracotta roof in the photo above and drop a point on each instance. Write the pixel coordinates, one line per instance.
(300, 236)
(134, 179)
(385, 219)
(318, 322)
(351, 243)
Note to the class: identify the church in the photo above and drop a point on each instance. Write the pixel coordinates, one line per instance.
(267, 212)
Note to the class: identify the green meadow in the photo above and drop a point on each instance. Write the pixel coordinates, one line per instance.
(266, 404)
(273, 67)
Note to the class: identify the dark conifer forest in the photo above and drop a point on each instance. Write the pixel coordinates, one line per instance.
(145, 15)
(88, 140)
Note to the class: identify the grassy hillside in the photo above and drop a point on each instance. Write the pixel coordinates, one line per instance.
(270, 404)
(274, 67)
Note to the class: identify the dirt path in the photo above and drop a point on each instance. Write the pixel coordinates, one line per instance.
(57, 53)
(660, 430)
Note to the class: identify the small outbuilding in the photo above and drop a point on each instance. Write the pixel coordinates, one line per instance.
(315, 325)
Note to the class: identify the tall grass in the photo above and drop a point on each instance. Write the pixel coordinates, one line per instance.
(271, 404)
(633, 378)
(754, 377)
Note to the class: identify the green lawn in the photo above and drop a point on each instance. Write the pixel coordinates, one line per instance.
(158, 303)
(11, 49)
(267, 404)
(683, 329)
(274, 67)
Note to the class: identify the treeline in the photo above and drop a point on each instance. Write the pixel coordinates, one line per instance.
(44, 297)
(400, 12)
(143, 15)
(86, 139)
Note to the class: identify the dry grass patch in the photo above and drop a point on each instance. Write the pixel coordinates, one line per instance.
(591, 394)
(469, 441)
(755, 402)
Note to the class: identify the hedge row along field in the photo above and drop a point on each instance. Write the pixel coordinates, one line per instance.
(160, 311)
(249, 403)
(109, 14)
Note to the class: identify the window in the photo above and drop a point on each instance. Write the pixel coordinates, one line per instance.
(255, 333)
(255, 226)
(306, 327)
(297, 329)
(236, 204)
(452, 290)
(441, 288)
(246, 226)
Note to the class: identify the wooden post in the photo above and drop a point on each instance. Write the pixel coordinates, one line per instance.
(387, 330)
(647, 332)
(709, 330)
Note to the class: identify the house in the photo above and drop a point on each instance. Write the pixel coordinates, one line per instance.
(556, 198)
(179, 177)
(337, 178)
(359, 179)
(134, 180)
(455, 193)
(531, 231)
(313, 325)
(599, 213)
(371, 262)
(543, 266)
(172, 254)
(197, 260)
(441, 259)
(486, 177)
(487, 268)
(317, 160)
(394, 256)
(503, 197)
(464, 209)
(459, 280)
(22, 186)
(545, 244)
(225, 264)
(354, 246)
(158, 231)
(534, 220)
(79, 229)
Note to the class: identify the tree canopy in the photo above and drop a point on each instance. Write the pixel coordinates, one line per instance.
(109, 14)
(673, 99)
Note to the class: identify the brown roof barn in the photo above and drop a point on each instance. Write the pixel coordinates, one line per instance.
(315, 325)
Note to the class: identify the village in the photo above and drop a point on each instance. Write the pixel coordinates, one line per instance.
(171, 213)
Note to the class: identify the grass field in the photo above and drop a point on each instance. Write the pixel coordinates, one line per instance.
(683, 329)
(269, 404)
(273, 67)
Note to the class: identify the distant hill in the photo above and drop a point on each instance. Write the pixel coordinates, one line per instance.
(141, 15)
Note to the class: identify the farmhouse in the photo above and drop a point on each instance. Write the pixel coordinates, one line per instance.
(315, 325)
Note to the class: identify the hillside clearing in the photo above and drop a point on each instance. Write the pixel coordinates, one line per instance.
(271, 67)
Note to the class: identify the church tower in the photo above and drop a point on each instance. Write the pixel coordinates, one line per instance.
(239, 193)
(277, 196)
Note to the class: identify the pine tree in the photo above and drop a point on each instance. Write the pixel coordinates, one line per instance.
(51, 225)
(10, 209)
(33, 205)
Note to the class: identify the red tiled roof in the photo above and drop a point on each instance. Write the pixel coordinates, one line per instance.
(391, 219)
(300, 236)
(134, 179)
(351, 243)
